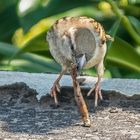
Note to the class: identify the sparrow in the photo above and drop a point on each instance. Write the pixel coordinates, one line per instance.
(78, 43)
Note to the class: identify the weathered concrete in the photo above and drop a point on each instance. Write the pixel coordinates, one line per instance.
(42, 82)
(22, 117)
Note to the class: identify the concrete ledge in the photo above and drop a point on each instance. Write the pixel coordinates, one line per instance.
(42, 82)
(23, 117)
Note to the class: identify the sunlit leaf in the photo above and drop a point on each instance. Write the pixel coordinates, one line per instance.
(8, 50)
(36, 45)
(35, 40)
(53, 7)
(134, 1)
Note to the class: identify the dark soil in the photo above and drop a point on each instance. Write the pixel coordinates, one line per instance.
(117, 117)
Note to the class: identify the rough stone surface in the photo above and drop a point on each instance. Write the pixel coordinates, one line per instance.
(22, 117)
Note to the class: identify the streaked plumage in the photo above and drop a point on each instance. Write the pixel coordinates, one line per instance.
(80, 41)
(81, 34)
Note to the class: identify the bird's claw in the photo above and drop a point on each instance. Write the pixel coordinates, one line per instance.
(54, 90)
(98, 94)
(87, 123)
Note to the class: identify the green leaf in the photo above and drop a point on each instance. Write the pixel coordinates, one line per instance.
(135, 22)
(92, 72)
(53, 7)
(8, 21)
(8, 50)
(134, 1)
(37, 44)
(114, 30)
(6, 3)
(25, 65)
(33, 41)
(114, 27)
(122, 54)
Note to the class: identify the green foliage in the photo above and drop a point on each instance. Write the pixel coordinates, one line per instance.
(122, 54)
(9, 21)
(28, 61)
(24, 24)
(135, 22)
(52, 7)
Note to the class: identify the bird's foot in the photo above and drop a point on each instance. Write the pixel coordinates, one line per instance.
(98, 95)
(54, 90)
(87, 123)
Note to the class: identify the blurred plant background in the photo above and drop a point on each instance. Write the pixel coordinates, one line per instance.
(24, 23)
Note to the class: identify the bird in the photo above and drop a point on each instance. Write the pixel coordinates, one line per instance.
(78, 43)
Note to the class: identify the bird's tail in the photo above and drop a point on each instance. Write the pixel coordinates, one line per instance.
(108, 37)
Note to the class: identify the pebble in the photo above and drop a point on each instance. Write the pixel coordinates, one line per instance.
(74, 139)
(113, 110)
(134, 137)
(88, 135)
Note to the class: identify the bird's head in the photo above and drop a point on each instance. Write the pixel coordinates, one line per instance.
(69, 40)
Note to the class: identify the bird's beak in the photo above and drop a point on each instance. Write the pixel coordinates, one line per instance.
(81, 61)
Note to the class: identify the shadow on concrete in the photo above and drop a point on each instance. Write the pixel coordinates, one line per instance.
(20, 112)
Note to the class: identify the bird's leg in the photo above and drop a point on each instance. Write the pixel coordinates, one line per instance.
(56, 86)
(79, 98)
(97, 90)
(96, 87)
